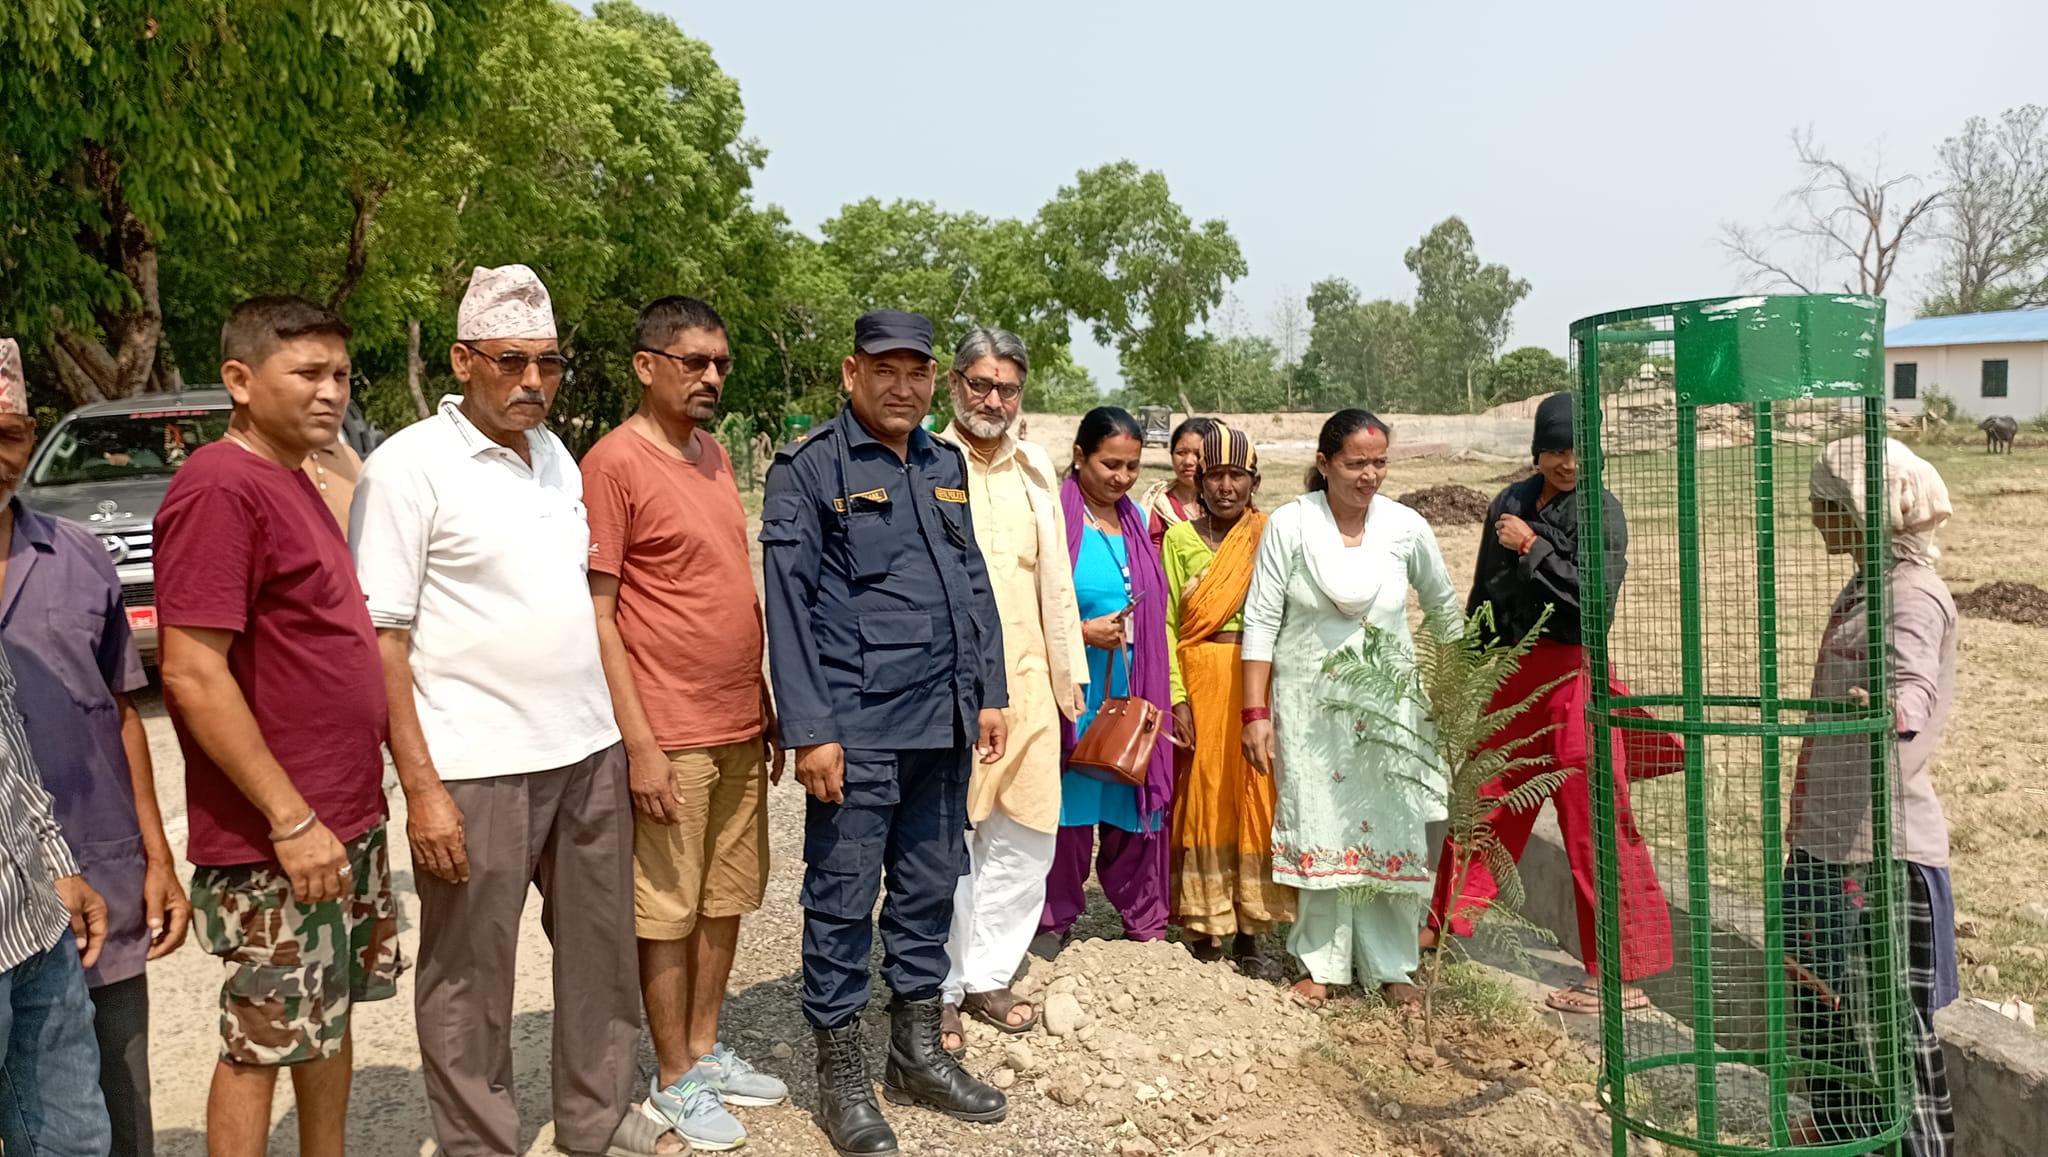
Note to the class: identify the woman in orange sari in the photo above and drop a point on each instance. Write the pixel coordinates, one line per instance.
(1223, 810)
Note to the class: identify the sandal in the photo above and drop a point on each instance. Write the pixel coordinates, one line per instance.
(1048, 945)
(993, 1008)
(1203, 949)
(950, 1026)
(1252, 961)
(1583, 999)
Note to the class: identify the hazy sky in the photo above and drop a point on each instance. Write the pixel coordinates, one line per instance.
(1593, 148)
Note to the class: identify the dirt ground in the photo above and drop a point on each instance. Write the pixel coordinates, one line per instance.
(1168, 1055)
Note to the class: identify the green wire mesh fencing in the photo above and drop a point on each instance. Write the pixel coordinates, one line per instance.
(1741, 746)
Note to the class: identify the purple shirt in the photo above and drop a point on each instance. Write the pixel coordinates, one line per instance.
(67, 637)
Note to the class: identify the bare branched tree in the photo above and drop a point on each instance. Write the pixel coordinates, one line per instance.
(1289, 320)
(1993, 227)
(1841, 227)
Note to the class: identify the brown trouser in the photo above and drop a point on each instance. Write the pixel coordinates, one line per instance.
(569, 832)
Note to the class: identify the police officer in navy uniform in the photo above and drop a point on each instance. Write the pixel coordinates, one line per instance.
(887, 662)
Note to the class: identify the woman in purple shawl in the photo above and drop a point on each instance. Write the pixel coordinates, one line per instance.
(1122, 592)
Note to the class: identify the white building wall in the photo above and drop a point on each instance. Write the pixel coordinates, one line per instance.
(1958, 371)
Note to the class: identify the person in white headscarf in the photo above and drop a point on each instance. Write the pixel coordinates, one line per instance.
(1831, 830)
(472, 547)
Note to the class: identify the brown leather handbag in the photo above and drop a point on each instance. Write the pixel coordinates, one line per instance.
(1118, 745)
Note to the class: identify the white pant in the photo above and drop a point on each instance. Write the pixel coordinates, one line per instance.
(997, 905)
(1341, 933)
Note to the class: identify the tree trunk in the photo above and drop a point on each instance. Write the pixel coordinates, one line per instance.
(415, 368)
(126, 358)
(366, 200)
(127, 247)
(168, 378)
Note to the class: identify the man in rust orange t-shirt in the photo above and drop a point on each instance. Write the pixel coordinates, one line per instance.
(679, 625)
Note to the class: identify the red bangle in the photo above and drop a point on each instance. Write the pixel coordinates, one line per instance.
(1254, 714)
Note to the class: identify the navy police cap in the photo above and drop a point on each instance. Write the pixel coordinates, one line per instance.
(881, 331)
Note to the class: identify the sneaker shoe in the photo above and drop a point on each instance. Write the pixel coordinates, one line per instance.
(691, 1107)
(740, 1083)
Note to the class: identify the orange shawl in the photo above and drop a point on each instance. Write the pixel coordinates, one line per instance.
(1216, 595)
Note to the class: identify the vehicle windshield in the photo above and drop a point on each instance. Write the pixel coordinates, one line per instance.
(120, 446)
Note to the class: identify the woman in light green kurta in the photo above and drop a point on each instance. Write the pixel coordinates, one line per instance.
(1350, 830)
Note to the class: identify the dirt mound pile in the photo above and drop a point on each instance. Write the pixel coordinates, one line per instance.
(1448, 505)
(1170, 1055)
(1144, 1032)
(2010, 602)
(1514, 476)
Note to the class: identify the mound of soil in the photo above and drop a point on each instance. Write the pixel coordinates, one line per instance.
(1514, 476)
(2010, 602)
(1170, 1055)
(1448, 505)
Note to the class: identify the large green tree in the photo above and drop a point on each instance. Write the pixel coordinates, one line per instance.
(1523, 373)
(1463, 306)
(959, 269)
(126, 116)
(1360, 353)
(403, 142)
(1128, 260)
(605, 151)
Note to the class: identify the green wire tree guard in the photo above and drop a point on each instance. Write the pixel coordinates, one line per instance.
(1781, 1024)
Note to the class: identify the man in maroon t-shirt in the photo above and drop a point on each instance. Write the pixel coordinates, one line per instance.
(272, 677)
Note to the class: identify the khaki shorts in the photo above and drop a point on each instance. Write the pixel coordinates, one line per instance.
(713, 861)
(295, 970)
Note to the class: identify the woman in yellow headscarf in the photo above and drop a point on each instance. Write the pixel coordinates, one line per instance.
(1223, 811)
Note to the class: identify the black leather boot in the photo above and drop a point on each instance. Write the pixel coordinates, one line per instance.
(921, 1072)
(846, 1095)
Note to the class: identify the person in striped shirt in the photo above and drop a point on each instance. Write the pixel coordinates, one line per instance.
(51, 927)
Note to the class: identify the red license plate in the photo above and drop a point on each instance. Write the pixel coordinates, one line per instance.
(142, 618)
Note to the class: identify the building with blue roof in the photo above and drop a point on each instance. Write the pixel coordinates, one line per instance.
(1990, 363)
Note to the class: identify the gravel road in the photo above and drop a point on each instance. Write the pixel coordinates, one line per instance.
(388, 1115)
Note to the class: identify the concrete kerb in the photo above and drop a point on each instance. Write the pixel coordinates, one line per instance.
(1997, 1068)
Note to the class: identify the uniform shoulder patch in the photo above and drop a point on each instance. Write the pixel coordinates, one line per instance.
(802, 442)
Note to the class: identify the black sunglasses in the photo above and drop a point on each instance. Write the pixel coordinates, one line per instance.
(980, 387)
(693, 363)
(513, 363)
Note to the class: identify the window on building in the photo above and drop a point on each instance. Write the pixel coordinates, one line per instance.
(1994, 377)
(1906, 381)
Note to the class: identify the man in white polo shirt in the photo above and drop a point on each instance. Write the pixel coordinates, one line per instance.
(470, 542)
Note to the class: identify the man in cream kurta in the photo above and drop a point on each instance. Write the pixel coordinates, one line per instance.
(1014, 804)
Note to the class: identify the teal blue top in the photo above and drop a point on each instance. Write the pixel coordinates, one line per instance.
(1101, 589)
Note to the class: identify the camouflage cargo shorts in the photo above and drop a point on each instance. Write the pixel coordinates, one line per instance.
(295, 969)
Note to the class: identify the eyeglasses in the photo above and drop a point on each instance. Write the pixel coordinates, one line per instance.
(693, 363)
(513, 363)
(980, 387)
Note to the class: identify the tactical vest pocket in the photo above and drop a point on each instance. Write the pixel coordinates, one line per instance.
(895, 650)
